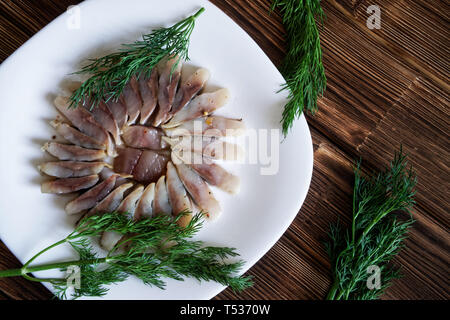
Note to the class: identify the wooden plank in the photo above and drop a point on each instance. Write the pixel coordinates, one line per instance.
(364, 80)
(408, 26)
(18, 288)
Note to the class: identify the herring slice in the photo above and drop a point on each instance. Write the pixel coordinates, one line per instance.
(188, 89)
(148, 88)
(71, 169)
(76, 137)
(68, 185)
(91, 197)
(198, 189)
(178, 197)
(201, 106)
(168, 83)
(71, 152)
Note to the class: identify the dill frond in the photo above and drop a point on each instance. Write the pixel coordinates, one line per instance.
(376, 235)
(302, 67)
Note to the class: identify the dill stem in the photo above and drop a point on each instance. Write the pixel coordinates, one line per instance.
(58, 265)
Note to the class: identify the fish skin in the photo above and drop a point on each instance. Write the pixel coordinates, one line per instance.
(69, 185)
(168, 84)
(178, 197)
(188, 89)
(126, 160)
(148, 88)
(145, 204)
(210, 126)
(81, 119)
(119, 111)
(198, 189)
(71, 169)
(150, 167)
(72, 152)
(144, 137)
(201, 106)
(132, 100)
(161, 204)
(91, 197)
(75, 136)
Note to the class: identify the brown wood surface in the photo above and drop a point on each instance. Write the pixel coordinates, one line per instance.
(385, 87)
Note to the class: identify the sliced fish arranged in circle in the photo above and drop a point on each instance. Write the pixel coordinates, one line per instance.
(169, 77)
(132, 100)
(91, 197)
(106, 119)
(71, 152)
(118, 110)
(161, 204)
(112, 201)
(151, 166)
(148, 88)
(201, 106)
(217, 176)
(75, 136)
(68, 185)
(128, 206)
(145, 205)
(126, 160)
(178, 197)
(198, 189)
(144, 137)
(210, 126)
(71, 169)
(188, 89)
(82, 119)
(192, 149)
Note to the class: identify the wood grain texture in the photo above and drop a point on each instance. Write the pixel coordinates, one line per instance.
(385, 87)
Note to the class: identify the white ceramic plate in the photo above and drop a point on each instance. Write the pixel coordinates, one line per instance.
(252, 221)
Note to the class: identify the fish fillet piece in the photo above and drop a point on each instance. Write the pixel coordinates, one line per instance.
(71, 152)
(72, 169)
(150, 167)
(75, 136)
(178, 197)
(112, 201)
(67, 185)
(161, 204)
(144, 137)
(148, 88)
(90, 198)
(145, 205)
(106, 119)
(211, 126)
(188, 89)
(201, 106)
(128, 206)
(168, 83)
(198, 189)
(132, 100)
(217, 176)
(82, 119)
(119, 111)
(126, 160)
(192, 148)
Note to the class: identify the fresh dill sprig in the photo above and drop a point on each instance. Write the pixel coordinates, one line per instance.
(110, 74)
(151, 249)
(376, 234)
(302, 67)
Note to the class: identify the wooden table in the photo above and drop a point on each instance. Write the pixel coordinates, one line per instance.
(385, 87)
